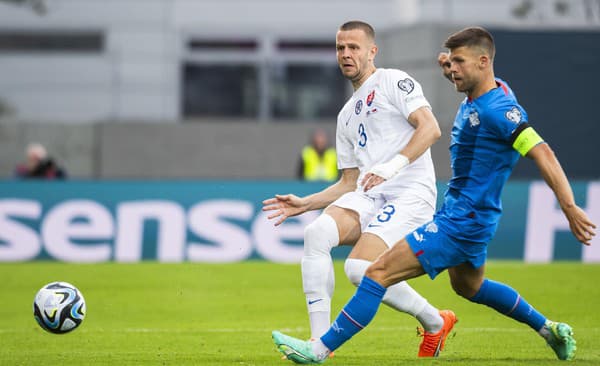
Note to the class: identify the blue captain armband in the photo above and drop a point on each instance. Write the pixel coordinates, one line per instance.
(524, 138)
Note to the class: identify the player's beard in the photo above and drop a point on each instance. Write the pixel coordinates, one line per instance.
(464, 86)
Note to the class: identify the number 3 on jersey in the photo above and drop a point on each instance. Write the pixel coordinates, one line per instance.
(362, 135)
(386, 213)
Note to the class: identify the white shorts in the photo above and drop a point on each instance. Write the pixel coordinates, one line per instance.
(390, 219)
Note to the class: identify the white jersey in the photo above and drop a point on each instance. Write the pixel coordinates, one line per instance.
(373, 126)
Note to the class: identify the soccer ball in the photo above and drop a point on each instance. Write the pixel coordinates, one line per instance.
(59, 307)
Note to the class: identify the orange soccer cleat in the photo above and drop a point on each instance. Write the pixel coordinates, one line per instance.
(433, 343)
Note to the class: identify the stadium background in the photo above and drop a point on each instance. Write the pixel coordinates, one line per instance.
(176, 118)
(229, 91)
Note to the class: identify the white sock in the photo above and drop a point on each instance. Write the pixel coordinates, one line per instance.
(319, 322)
(319, 349)
(400, 296)
(545, 331)
(317, 272)
(430, 319)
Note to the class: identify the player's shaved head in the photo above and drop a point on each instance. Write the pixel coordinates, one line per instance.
(472, 37)
(357, 24)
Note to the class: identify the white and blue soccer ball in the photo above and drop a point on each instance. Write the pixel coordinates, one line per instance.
(59, 307)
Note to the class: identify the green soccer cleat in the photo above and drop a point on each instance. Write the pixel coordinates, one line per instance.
(294, 349)
(561, 340)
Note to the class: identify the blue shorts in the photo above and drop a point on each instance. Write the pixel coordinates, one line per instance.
(437, 251)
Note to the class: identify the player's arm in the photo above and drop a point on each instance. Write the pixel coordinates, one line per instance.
(427, 132)
(529, 143)
(288, 205)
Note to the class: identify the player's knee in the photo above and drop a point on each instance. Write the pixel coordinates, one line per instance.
(355, 269)
(459, 291)
(320, 236)
(376, 272)
(464, 289)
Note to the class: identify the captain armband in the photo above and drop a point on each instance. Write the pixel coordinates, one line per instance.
(525, 139)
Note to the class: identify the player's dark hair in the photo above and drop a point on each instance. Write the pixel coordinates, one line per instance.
(472, 37)
(357, 24)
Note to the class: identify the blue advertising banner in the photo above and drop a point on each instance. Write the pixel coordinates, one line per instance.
(222, 221)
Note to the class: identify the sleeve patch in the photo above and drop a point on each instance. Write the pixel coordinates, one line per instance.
(513, 115)
(406, 85)
(526, 140)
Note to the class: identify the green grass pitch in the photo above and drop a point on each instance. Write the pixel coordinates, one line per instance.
(203, 314)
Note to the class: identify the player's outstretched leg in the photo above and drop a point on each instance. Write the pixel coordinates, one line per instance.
(404, 298)
(297, 350)
(559, 336)
(508, 302)
(355, 315)
(433, 343)
(317, 272)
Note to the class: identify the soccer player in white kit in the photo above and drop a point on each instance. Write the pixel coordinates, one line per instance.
(386, 189)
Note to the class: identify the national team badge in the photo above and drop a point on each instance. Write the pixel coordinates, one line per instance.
(406, 85)
(370, 98)
(474, 119)
(358, 106)
(514, 115)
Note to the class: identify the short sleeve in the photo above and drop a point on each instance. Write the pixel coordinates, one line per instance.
(506, 121)
(404, 92)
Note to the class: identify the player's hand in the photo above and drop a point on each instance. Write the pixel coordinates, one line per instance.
(580, 224)
(382, 172)
(284, 206)
(444, 62)
(371, 180)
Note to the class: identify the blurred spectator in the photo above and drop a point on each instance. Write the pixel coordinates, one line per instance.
(39, 165)
(318, 161)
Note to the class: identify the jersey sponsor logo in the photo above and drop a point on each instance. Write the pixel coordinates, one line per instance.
(358, 106)
(474, 119)
(513, 115)
(431, 228)
(406, 85)
(370, 98)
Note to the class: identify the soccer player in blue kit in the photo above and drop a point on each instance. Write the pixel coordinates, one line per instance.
(490, 131)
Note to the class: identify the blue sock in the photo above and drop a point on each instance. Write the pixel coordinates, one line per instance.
(357, 313)
(507, 301)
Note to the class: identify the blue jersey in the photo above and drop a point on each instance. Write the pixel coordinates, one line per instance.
(482, 158)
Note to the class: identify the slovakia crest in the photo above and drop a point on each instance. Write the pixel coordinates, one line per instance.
(406, 85)
(358, 106)
(514, 115)
(370, 98)
(474, 119)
